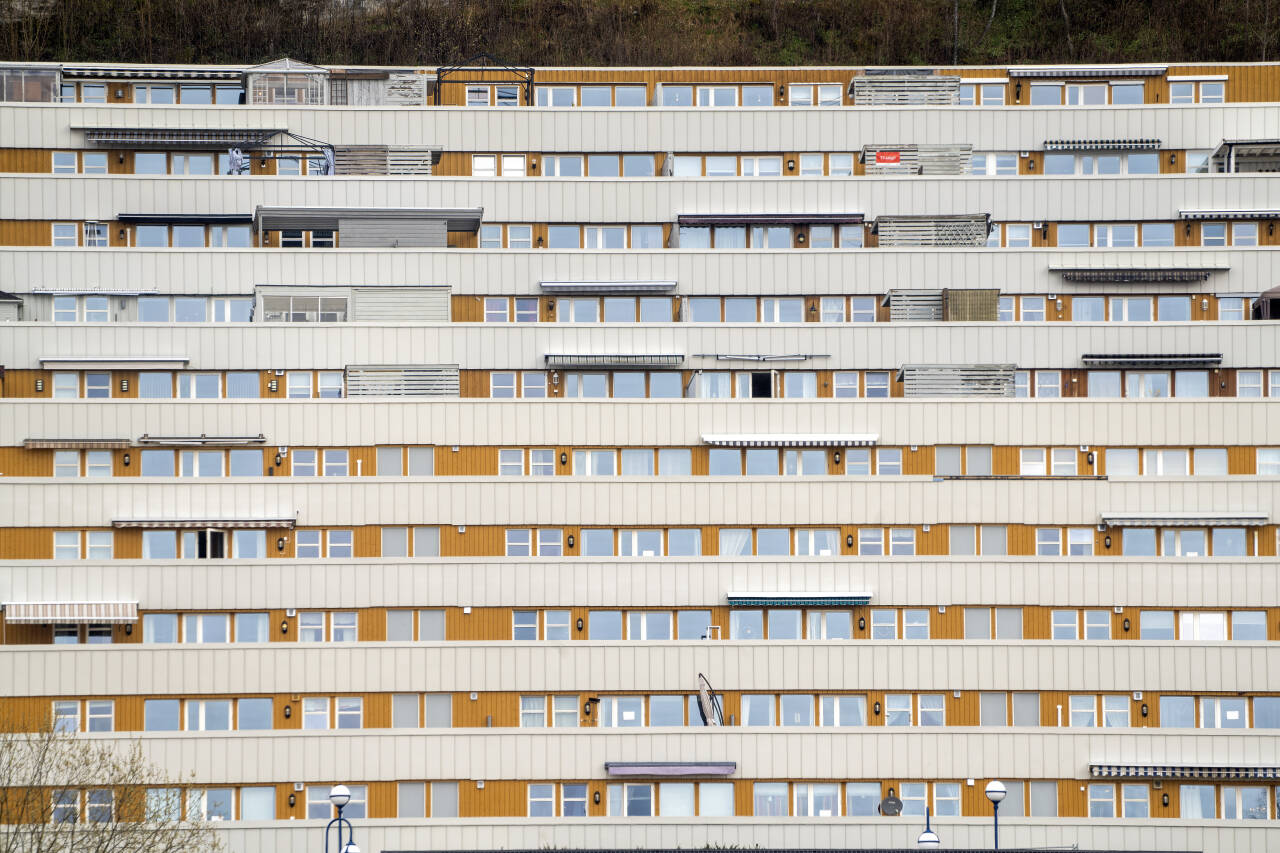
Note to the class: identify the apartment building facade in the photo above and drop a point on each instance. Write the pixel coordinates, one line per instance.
(421, 429)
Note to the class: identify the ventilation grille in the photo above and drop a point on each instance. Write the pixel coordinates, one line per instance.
(887, 90)
(421, 380)
(957, 380)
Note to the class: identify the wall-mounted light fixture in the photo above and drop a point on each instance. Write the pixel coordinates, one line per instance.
(1017, 92)
(876, 708)
(1106, 541)
(1145, 709)
(571, 540)
(127, 459)
(293, 798)
(782, 96)
(120, 157)
(284, 626)
(128, 628)
(791, 165)
(279, 459)
(288, 712)
(1089, 458)
(1164, 799)
(862, 623)
(564, 458)
(39, 384)
(280, 544)
(579, 623)
(540, 241)
(836, 457)
(124, 386)
(273, 385)
(1173, 157)
(848, 540)
(1126, 623)
(595, 798)
(120, 235)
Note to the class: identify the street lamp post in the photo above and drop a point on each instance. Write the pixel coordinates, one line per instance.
(339, 795)
(928, 839)
(996, 791)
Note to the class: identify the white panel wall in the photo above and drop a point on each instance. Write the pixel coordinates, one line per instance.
(1119, 422)
(491, 346)
(623, 502)
(600, 667)
(644, 200)
(805, 754)
(1131, 583)
(813, 271)
(774, 129)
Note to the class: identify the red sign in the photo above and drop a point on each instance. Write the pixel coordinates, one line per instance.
(888, 157)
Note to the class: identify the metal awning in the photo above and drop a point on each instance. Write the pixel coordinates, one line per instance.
(1247, 148)
(152, 72)
(114, 362)
(201, 523)
(1073, 71)
(617, 361)
(670, 768)
(185, 218)
(1272, 213)
(202, 439)
(1183, 771)
(1157, 360)
(69, 612)
(76, 443)
(1101, 144)
(1136, 275)
(1184, 519)
(791, 439)
(762, 357)
(704, 219)
(588, 287)
(326, 218)
(799, 599)
(193, 138)
(89, 291)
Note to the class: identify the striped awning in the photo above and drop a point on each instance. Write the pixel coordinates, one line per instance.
(1184, 519)
(791, 439)
(198, 138)
(1255, 213)
(670, 768)
(573, 287)
(76, 443)
(1155, 360)
(798, 599)
(1101, 144)
(1183, 771)
(67, 612)
(153, 72)
(202, 523)
(1136, 275)
(1074, 71)
(623, 361)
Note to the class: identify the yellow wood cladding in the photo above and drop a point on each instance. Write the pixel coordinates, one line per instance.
(18, 232)
(26, 160)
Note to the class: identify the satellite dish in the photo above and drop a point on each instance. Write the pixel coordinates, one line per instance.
(891, 806)
(709, 703)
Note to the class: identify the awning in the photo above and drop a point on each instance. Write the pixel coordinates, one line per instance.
(1230, 214)
(762, 357)
(114, 362)
(68, 612)
(799, 599)
(1183, 771)
(202, 439)
(185, 218)
(1155, 360)
(202, 523)
(1247, 148)
(1073, 71)
(152, 72)
(1136, 275)
(1184, 519)
(198, 138)
(791, 439)
(326, 218)
(91, 291)
(670, 768)
(1101, 144)
(76, 443)
(617, 361)
(589, 287)
(704, 219)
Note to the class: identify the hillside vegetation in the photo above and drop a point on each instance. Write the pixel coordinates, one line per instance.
(642, 32)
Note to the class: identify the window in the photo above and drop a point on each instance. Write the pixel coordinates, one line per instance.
(1115, 712)
(1244, 803)
(1155, 625)
(1065, 625)
(253, 714)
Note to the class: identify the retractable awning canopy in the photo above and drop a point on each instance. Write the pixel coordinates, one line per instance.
(670, 768)
(1226, 772)
(115, 362)
(70, 612)
(1153, 360)
(799, 599)
(1101, 144)
(76, 443)
(202, 439)
(1136, 275)
(791, 439)
(617, 361)
(704, 219)
(1254, 213)
(1074, 71)
(569, 288)
(153, 72)
(327, 218)
(1184, 519)
(198, 138)
(202, 523)
(185, 218)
